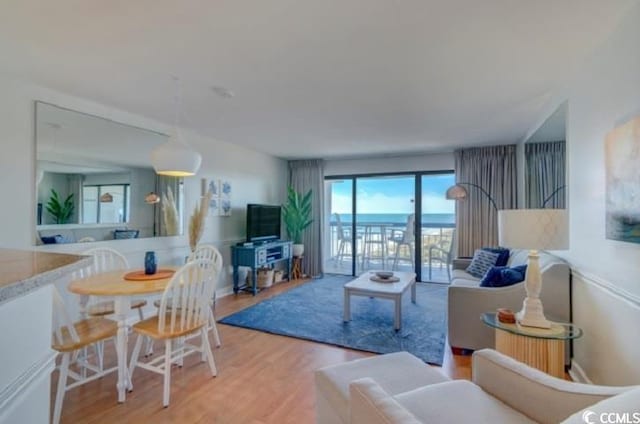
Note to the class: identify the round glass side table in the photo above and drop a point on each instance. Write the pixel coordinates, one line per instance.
(541, 348)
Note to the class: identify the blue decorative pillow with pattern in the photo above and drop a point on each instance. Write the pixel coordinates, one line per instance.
(502, 251)
(482, 262)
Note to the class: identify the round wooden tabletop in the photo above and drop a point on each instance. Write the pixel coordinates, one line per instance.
(112, 283)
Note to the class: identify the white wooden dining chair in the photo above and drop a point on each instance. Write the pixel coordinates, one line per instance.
(106, 259)
(70, 337)
(184, 310)
(210, 253)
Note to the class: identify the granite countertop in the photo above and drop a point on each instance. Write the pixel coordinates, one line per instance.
(22, 271)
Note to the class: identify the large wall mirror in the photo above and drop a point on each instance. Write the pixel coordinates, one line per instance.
(545, 163)
(94, 180)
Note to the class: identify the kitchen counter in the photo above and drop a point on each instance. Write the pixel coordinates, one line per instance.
(27, 283)
(24, 271)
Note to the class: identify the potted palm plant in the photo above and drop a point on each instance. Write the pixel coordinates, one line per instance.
(59, 209)
(297, 217)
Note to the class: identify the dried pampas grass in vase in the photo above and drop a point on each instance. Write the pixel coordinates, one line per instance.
(170, 213)
(196, 221)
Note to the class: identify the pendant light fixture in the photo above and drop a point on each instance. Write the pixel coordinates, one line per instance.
(106, 198)
(175, 157)
(151, 198)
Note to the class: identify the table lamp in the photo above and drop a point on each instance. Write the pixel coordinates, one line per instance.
(533, 229)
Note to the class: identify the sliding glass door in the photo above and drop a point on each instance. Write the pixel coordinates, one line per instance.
(385, 222)
(437, 229)
(339, 243)
(398, 222)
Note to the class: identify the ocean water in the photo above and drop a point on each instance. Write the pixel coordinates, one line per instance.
(430, 219)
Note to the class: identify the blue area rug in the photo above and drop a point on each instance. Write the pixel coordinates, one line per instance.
(313, 311)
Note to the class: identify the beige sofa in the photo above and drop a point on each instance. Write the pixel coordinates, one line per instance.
(467, 300)
(399, 389)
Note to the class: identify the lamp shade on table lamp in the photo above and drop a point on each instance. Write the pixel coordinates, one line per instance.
(533, 229)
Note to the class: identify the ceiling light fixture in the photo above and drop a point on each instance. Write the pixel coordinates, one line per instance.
(175, 157)
(106, 198)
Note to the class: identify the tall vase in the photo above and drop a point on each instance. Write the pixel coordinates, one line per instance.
(150, 263)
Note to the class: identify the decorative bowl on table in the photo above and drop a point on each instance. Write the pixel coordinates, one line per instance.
(384, 274)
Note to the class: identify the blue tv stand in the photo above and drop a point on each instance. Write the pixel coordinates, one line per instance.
(257, 256)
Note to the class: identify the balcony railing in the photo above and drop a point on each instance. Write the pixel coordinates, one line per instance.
(384, 245)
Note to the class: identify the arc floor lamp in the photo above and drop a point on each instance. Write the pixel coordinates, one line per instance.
(458, 192)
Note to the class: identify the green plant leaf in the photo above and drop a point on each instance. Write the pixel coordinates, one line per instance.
(297, 213)
(61, 211)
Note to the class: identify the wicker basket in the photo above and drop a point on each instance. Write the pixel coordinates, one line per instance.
(265, 278)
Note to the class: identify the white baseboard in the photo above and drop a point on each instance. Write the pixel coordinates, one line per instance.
(224, 291)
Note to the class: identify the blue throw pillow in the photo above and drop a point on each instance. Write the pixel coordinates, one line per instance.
(481, 263)
(502, 251)
(52, 239)
(503, 276)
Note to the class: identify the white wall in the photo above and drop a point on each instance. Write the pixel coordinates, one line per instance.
(418, 162)
(256, 177)
(606, 284)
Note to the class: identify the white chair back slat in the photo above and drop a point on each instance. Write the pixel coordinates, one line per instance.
(207, 252)
(106, 259)
(61, 320)
(186, 297)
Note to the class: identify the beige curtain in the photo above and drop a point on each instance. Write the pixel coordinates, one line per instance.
(545, 174)
(305, 175)
(494, 169)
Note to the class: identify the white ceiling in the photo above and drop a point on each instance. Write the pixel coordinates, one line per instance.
(323, 78)
(554, 127)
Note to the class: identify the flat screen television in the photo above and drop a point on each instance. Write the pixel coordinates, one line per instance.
(263, 222)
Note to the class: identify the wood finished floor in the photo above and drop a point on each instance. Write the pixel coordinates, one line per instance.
(262, 378)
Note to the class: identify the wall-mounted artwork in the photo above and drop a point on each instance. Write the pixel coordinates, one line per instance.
(220, 204)
(622, 156)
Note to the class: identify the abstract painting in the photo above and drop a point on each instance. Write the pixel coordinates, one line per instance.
(622, 159)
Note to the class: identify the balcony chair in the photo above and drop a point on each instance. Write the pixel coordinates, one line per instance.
(184, 310)
(345, 240)
(445, 253)
(404, 238)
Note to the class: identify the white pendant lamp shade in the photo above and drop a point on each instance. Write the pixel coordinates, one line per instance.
(175, 158)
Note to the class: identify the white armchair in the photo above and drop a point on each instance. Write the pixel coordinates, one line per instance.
(502, 390)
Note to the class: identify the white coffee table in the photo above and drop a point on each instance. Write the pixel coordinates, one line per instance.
(363, 286)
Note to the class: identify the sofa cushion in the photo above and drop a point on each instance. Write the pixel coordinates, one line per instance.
(625, 403)
(395, 373)
(370, 404)
(482, 261)
(502, 251)
(503, 276)
(458, 401)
